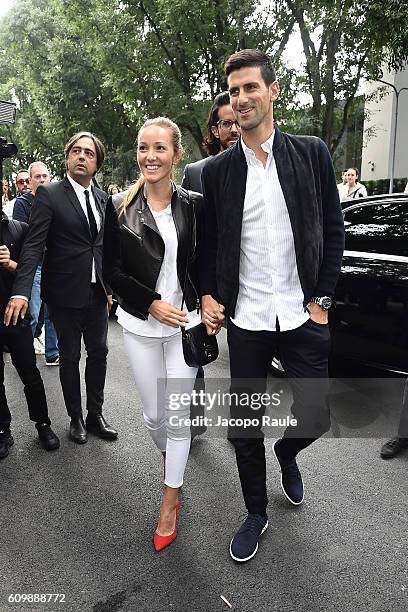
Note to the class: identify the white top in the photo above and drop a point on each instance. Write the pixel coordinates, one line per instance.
(358, 191)
(9, 207)
(269, 285)
(167, 285)
(80, 194)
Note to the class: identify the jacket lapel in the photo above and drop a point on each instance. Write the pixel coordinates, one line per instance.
(76, 204)
(233, 193)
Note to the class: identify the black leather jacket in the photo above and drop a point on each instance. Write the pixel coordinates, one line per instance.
(134, 251)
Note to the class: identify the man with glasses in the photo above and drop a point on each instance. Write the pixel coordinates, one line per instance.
(39, 175)
(68, 218)
(22, 186)
(222, 132)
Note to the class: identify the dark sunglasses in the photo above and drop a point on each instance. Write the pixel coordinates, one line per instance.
(227, 124)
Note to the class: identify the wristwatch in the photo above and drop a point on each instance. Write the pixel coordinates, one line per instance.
(324, 302)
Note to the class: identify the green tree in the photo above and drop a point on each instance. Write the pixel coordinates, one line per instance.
(343, 42)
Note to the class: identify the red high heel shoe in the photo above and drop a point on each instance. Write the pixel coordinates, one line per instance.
(161, 541)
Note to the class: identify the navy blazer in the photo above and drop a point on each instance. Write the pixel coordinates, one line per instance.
(308, 182)
(192, 175)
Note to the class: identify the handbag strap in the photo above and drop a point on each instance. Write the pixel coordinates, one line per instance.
(193, 229)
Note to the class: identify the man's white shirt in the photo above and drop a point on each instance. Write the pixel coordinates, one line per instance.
(269, 285)
(80, 194)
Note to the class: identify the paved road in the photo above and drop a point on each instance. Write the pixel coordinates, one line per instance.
(79, 521)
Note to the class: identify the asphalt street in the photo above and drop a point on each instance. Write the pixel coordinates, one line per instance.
(79, 522)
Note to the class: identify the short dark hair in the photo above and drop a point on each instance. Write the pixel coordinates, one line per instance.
(99, 148)
(247, 58)
(211, 143)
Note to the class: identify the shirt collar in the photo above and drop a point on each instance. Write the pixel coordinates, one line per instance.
(267, 146)
(77, 187)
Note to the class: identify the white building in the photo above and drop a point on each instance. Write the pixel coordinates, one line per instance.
(378, 147)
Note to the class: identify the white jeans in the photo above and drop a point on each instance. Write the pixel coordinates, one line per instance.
(160, 373)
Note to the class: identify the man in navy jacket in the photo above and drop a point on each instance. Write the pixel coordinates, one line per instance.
(271, 256)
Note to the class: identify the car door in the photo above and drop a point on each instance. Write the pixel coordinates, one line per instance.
(370, 322)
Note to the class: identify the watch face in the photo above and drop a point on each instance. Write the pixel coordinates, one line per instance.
(326, 303)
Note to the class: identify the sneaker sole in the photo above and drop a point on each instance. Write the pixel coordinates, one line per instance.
(255, 551)
(294, 503)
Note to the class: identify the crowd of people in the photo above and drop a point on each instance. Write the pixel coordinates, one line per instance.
(251, 240)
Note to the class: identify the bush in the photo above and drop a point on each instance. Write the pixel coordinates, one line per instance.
(382, 186)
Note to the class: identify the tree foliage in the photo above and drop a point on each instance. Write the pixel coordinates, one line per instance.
(106, 65)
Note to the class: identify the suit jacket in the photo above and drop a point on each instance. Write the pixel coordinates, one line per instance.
(192, 175)
(58, 223)
(308, 183)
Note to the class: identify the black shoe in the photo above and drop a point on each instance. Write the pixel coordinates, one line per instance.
(77, 431)
(6, 440)
(48, 438)
(394, 446)
(97, 425)
(244, 545)
(291, 479)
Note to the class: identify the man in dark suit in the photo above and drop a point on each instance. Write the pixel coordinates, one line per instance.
(20, 343)
(271, 256)
(222, 132)
(67, 218)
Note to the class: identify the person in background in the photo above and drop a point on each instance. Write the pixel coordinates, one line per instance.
(149, 256)
(20, 344)
(39, 175)
(22, 186)
(398, 443)
(343, 181)
(352, 190)
(222, 132)
(5, 193)
(113, 189)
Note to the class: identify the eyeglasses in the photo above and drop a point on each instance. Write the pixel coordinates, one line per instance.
(22, 181)
(227, 124)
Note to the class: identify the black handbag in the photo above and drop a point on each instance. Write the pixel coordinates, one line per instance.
(198, 347)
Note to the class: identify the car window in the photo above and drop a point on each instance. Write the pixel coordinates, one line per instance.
(378, 228)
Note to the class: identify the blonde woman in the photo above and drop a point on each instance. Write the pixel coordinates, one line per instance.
(150, 251)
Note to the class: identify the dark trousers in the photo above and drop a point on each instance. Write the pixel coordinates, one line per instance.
(19, 340)
(403, 424)
(304, 355)
(91, 323)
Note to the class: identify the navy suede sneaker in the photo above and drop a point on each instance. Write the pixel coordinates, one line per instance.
(291, 478)
(244, 545)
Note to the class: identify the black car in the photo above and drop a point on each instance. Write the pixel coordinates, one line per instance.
(369, 323)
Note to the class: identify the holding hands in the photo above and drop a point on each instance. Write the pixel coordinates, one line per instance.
(212, 314)
(4, 256)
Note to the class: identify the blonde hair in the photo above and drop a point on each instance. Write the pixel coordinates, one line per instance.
(168, 124)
